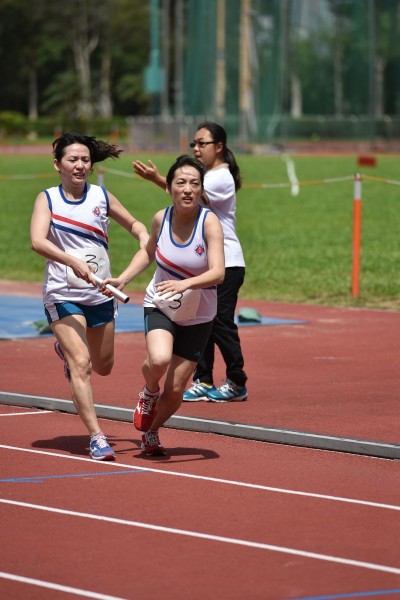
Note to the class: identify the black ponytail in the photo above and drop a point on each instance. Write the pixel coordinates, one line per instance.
(218, 134)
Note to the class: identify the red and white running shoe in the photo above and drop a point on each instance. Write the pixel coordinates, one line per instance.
(151, 444)
(145, 410)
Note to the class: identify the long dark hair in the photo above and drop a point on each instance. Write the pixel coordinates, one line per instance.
(218, 134)
(98, 149)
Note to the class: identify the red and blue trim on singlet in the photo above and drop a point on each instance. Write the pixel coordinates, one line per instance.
(77, 227)
(173, 269)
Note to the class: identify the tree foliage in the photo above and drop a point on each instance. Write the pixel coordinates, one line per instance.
(81, 58)
(85, 60)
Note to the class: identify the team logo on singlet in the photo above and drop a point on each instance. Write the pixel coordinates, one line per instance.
(199, 250)
(96, 211)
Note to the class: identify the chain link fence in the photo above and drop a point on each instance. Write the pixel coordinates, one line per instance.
(169, 134)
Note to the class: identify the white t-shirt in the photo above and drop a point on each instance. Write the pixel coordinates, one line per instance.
(220, 187)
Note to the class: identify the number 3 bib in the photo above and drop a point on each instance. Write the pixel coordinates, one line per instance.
(96, 257)
(179, 307)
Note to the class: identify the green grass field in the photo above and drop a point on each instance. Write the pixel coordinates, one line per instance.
(297, 248)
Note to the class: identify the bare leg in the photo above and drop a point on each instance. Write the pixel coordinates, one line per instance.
(101, 344)
(159, 353)
(71, 334)
(179, 372)
(160, 361)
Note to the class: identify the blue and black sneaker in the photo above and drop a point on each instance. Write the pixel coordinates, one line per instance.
(199, 391)
(228, 392)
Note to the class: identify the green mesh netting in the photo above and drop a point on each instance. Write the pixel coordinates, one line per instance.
(329, 67)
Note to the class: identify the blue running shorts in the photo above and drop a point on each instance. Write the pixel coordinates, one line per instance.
(95, 315)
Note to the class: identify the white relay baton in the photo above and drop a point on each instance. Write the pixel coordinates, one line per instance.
(117, 293)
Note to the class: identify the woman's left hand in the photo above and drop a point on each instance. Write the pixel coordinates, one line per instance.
(172, 286)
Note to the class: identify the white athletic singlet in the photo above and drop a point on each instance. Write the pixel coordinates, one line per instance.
(180, 261)
(76, 227)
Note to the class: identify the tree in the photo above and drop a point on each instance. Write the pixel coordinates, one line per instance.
(21, 20)
(80, 58)
(341, 13)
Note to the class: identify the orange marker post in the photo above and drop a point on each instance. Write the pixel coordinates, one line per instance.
(355, 279)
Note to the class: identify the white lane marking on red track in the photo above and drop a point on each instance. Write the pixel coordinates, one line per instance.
(56, 586)
(255, 486)
(207, 536)
(38, 412)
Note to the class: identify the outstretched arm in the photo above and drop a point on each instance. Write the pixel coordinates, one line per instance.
(122, 216)
(150, 173)
(140, 261)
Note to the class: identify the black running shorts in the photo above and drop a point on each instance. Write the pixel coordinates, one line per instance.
(189, 340)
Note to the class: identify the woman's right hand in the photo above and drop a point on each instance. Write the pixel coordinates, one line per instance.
(146, 172)
(81, 269)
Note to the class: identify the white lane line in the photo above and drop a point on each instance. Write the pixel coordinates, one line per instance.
(291, 173)
(255, 486)
(36, 412)
(215, 479)
(208, 537)
(56, 586)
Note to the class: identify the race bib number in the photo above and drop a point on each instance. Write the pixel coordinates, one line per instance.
(96, 257)
(179, 307)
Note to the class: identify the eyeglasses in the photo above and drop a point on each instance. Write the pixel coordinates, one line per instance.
(200, 144)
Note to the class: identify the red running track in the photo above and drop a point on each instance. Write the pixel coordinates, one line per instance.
(337, 374)
(218, 518)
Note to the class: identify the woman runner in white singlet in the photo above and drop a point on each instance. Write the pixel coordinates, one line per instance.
(186, 241)
(69, 227)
